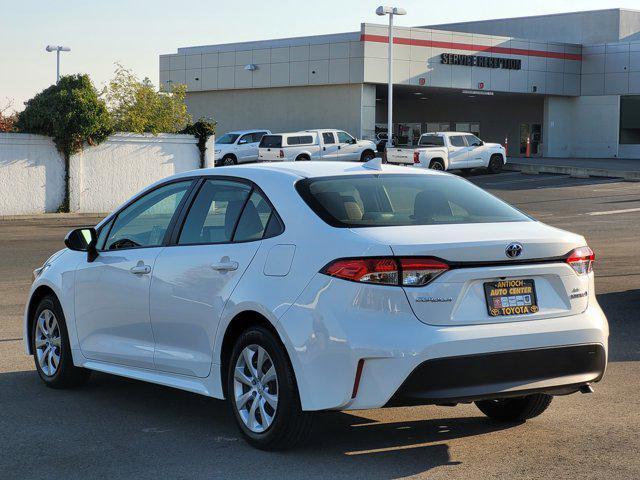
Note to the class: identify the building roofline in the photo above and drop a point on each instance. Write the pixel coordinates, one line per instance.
(273, 43)
(439, 25)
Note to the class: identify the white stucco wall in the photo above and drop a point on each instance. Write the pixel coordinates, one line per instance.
(31, 174)
(101, 177)
(584, 127)
(104, 176)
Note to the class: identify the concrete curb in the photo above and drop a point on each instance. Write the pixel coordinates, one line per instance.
(576, 172)
(40, 216)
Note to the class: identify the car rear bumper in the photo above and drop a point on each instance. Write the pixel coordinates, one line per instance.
(335, 325)
(557, 370)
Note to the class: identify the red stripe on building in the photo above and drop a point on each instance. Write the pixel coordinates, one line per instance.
(469, 47)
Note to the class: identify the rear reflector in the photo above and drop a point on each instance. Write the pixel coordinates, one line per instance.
(407, 272)
(416, 157)
(281, 153)
(581, 260)
(356, 382)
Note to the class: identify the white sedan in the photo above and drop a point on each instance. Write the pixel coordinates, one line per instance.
(298, 287)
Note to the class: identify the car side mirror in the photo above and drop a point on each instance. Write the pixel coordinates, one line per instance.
(83, 240)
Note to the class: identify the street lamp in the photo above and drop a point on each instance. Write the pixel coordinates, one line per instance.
(57, 49)
(391, 11)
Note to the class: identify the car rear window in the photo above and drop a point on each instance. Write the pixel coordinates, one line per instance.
(300, 140)
(431, 141)
(271, 141)
(399, 199)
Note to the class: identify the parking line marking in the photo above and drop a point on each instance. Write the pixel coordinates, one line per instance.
(613, 212)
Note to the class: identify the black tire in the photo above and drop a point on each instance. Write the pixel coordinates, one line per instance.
(515, 409)
(302, 158)
(229, 160)
(367, 155)
(67, 374)
(437, 164)
(495, 164)
(291, 426)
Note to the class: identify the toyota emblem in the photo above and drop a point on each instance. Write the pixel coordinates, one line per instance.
(513, 250)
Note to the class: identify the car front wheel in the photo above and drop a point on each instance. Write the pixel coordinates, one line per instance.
(51, 349)
(262, 393)
(515, 409)
(495, 164)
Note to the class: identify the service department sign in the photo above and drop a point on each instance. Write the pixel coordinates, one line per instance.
(480, 61)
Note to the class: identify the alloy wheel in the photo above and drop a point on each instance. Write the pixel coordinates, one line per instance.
(255, 385)
(48, 342)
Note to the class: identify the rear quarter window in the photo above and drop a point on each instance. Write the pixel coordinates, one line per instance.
(431, 141)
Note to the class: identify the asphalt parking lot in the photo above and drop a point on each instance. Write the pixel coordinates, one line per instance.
(119, 428)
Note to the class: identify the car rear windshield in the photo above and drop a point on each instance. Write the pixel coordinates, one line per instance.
(271, 141)
(227, 138)
(402, 199)
(431, 141)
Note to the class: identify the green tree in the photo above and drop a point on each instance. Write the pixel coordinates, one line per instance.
(71, 113)
(136, 106)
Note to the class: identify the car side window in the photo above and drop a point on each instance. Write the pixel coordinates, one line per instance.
(214, 214)
(457, 141)
(248, 138)
(254, 219)
(102, 236)
(473, 141)
(144, 223)
(344, 137)
(328, 138)
(257, 136)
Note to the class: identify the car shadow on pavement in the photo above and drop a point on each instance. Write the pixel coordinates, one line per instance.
(121, 428)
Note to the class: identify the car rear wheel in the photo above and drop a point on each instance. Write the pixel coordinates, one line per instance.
(367, 155)
(495, 164)
(262, 393)
(229, 160)
(302, 158)
(515, 409)
(51, 349)
(436, 165)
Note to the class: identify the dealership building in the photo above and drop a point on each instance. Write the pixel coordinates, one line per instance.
(570, 83)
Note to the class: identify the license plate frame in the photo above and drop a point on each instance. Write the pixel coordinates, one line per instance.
(519, 294)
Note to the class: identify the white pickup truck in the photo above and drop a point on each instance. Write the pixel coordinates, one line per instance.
(315, 145)
(450, 151)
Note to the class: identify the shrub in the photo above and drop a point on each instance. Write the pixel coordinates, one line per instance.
(71, 113)
(7, 120)
(202, 130)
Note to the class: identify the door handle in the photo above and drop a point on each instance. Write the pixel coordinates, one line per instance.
(140, 269)
(225, 266)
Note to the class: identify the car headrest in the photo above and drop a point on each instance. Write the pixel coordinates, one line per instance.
(431, 204)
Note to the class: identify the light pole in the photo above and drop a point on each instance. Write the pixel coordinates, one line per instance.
(57, 49)
(391, 11)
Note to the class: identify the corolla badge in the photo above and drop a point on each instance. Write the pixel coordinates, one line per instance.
(514, 250)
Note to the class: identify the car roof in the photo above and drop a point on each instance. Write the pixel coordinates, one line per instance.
(311, 169)
(240, 132)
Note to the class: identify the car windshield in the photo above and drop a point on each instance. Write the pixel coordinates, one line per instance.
(227, 138)
(399, 200)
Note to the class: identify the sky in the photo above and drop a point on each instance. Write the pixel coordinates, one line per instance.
(133, 33)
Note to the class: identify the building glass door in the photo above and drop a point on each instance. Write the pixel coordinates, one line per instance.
(532, 131)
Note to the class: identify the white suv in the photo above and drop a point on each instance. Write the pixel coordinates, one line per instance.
(238, 147)
(296, 287)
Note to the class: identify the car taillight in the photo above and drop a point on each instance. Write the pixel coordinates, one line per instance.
(407, 272)
(416, 157)
(281, 153)
(420, 271)
(581, 260)
(366, 270)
